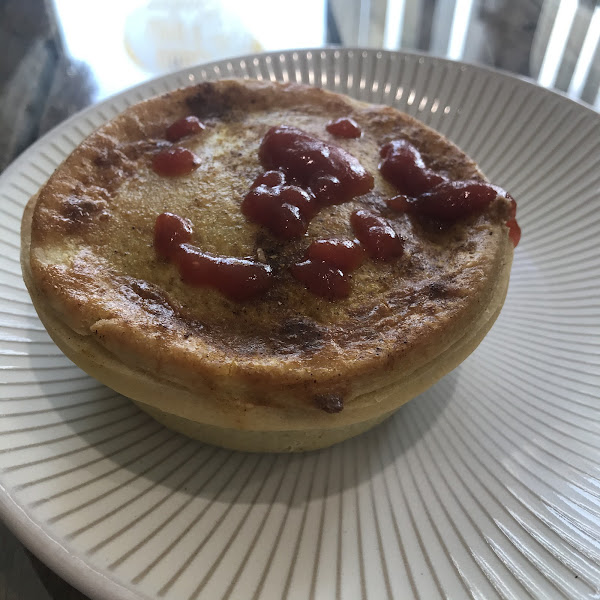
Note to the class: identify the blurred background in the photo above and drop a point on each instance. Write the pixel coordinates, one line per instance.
(59, 56)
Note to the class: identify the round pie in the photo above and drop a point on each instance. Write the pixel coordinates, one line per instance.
(301, 350)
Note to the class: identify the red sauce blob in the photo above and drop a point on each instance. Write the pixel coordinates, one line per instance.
(285, 210)
(327, 189)
(377, 235)
(430, 194)
(304, 174)
(344, 127)
(184, 127)
(237, 278)
(400, 203)
(322, 279)
(514, 231)
(403, 166)
(306, 158)
(346, 255)
(270, 179)
(175, 161)
(453, 200)
(170, 231)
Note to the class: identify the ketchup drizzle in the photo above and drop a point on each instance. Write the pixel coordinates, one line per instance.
(344, 127)
(449, 201)
(175, 161)
(237, 278)
(183, 128)
(325, 272)
(427, 193)
(377, 235)
(322, 279)
(304, 158)
(346, 255)
(403, 166)
(170, 231)
(303, 175)
(285, 210)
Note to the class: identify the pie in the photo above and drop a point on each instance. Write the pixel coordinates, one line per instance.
(267, 267)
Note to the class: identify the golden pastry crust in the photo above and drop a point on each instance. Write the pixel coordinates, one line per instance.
(269, 364)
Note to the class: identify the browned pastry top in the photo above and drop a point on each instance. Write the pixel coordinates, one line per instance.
(94, 264)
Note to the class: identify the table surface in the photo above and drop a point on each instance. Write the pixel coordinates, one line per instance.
(53, 63)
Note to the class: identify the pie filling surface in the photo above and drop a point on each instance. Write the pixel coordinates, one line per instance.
(280, 236)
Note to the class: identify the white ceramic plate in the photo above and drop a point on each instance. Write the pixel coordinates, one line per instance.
(487, 486)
